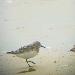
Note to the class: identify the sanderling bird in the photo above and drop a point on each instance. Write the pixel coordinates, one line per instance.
(73, 49)
(28, 51)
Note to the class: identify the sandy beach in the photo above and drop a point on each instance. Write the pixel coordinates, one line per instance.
(48, 62)
(52, 22)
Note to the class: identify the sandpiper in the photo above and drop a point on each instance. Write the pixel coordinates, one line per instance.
(28, 51)
(73, 49)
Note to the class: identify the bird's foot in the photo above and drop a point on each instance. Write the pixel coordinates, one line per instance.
(31, 69)
(32, 62)
(30, 66)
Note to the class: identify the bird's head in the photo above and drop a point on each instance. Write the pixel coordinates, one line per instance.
(38, 44)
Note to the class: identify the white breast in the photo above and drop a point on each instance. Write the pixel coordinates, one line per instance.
(27, 55)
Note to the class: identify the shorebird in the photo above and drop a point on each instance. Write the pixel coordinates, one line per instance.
(28, 51)
(73, 49)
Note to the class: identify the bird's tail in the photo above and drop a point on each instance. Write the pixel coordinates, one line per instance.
(12, 52)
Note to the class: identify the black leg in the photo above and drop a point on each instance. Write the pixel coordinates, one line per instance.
(32, 62)
(28, 63)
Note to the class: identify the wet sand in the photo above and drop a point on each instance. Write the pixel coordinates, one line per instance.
(48, 62)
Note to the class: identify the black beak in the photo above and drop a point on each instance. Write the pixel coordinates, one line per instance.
(43, 46)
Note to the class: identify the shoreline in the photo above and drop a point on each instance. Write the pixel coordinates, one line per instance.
(50, 62)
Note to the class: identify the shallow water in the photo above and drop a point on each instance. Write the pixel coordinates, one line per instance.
(50, 22)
